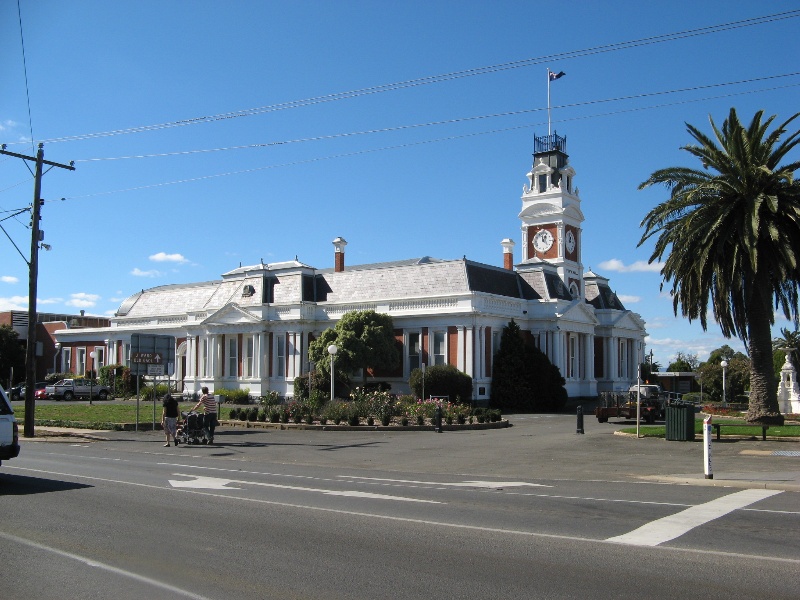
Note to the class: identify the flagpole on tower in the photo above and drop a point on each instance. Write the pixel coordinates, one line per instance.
(551, 76)
(548, 102)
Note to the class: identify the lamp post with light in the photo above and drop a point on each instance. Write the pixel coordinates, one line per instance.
(724, 365)
(55, 356)
(93, 354)
(332, 350)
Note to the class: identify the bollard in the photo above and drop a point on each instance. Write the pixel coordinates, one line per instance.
(580, 419)
(437, 420)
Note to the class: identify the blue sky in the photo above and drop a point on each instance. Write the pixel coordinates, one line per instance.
(337, 148)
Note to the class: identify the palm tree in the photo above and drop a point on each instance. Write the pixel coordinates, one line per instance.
(732, 235)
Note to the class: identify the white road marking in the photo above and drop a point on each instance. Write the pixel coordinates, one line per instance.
(668, 528)
(99, 565)
(424, 522)
(494, 485)
(215, 483)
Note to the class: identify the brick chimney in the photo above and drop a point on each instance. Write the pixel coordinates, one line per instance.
(508, 253)
(338, 257)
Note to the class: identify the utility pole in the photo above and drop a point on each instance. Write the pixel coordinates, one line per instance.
(33, 276)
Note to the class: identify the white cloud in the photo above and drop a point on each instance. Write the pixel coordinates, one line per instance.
(82, 300)
(640, 266)
(14, 303)
(152, 273)
(9, 279)
(164, 257)
(629, 299)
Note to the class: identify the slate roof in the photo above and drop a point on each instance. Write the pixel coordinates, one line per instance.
(282, 283)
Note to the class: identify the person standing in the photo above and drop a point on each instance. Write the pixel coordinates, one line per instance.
(210, 410)
(169, 418)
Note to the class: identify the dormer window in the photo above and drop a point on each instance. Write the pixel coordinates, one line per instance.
(248, 291)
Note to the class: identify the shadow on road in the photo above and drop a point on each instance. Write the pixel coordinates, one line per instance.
(20, 485)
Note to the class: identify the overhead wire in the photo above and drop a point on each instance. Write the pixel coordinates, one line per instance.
(416, 143)
(441, 78)
(433, 123)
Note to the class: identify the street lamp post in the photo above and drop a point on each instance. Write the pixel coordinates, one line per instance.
(93, 354)
(724, 365)
(332, 350)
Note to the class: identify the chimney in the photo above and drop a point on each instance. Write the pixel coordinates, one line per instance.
(508, 253)
(338, 258)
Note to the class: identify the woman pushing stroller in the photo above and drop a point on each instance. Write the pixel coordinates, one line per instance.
(210, 410)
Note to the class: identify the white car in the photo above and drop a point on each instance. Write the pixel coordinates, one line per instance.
(9, 433)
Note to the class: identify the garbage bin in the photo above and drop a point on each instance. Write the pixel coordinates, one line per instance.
(680, 422)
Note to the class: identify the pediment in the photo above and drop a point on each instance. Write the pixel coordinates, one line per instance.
(230, 314)
(624, 319)
(580, 312)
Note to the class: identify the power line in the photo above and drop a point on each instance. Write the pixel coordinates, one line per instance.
(434, 123)
(25, 70)
(417, 143)
(669, 37)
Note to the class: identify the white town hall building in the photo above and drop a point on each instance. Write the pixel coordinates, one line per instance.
(251, 329)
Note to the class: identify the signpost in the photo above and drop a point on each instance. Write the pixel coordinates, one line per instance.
(154, 356)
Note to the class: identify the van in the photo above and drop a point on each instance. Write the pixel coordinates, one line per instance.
(9, 433)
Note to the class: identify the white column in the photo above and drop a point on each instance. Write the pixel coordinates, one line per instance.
(469, 359)
(460, 348)
(590, 357)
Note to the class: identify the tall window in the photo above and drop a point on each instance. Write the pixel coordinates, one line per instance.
(414, 351)
(622, 359)
(66, 360)
(233, 356)
(542, 183)
(249, 351)
(280, 355)
(572, 363)
(126, 355)
(80, 364)
(204, 358)
(439, 348)
(101, 358)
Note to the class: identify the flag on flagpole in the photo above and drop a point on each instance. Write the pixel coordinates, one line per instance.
(554, 76)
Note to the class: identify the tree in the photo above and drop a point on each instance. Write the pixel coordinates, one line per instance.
(684, 363)
(364, 340)
(731, 232)
(737, 373)
(523, 378)
(510, 389)
(12, 354)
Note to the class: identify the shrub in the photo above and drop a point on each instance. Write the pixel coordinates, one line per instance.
(274, 415)
(271, 398)
(252, 414)
(233, 396)
(234, 414)
(243, 415)
(262, 416)
(442, 380)
(404, 421)
(385, 420)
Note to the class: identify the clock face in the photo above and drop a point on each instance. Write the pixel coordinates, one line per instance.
(570, 242)
(542, 241)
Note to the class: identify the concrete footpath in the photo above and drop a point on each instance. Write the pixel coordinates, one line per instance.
(534, 447)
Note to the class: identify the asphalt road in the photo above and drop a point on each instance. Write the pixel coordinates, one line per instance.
(534, 511)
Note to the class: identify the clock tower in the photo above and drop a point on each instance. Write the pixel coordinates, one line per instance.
(551, 213)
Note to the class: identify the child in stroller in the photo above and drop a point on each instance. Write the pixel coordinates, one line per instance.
(191, 431)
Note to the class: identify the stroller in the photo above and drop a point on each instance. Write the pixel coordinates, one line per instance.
(192, 431)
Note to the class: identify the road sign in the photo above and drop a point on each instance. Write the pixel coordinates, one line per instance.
(145, 349)
(155, 370)
(148, 358)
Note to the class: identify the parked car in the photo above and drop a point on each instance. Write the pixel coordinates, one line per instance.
(18, 391)
(9, 432)
(69, 389)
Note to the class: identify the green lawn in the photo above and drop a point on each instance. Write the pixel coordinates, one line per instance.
(100, 415)
(661, 430)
